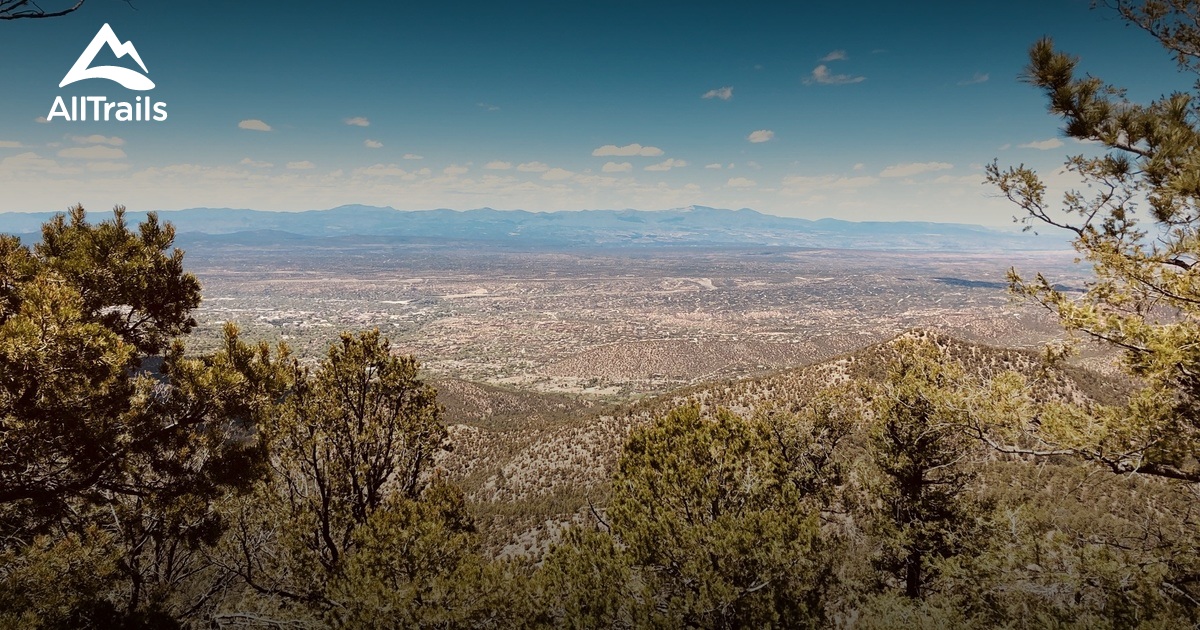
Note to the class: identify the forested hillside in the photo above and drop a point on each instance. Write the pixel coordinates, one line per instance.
(904, 483)
(922, 482)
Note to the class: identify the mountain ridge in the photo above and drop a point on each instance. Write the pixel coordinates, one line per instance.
(563, 465)
(689, 225)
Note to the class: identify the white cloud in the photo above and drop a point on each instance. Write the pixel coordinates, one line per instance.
(9, 144)
(809, 184)
(533, 167)
(859, 166)
(498, 165)
(614, 167)
(31, 163)
(381, 170)
(96, 152)
(303, 165)
(413, 156)
(962, 179)
(724, 93)
(978, 77)
(254, 124)
(98, 139)
(454, 170)
(714, 165)
(667, 165)
(1042, 145)
(821, 75)
(557, 174)
(488, 106)
(233, 185)
(762, 135)
(107, 167)
(635, 149)
(41, 119)
(372, 144)
(358, 121)
(35, 182)
(909, 169)
(255, 163)
(835, 55)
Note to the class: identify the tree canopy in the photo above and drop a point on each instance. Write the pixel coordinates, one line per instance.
(1137, 224)
(113, 442)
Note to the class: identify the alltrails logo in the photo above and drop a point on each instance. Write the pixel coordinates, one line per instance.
(99, 107)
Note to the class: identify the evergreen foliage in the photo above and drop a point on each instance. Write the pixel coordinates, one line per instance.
(143, 486)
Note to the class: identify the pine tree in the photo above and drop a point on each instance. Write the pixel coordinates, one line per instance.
(921, 509)
(115, 446)
(353, 527)
(714, 522)
(1139, 229)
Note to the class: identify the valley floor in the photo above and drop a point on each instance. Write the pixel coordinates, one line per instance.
(615, 324)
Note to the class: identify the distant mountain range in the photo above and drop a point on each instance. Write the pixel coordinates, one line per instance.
(689, 226)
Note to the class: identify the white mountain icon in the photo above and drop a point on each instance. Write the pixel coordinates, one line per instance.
(131, 79)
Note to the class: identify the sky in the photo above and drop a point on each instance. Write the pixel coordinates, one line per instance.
(855, 110)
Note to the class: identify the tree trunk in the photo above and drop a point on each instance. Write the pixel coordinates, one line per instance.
(912, 575)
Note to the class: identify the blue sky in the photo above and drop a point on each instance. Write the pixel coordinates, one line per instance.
(861, 111)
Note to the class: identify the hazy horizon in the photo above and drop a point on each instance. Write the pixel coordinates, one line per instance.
(99, 214)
